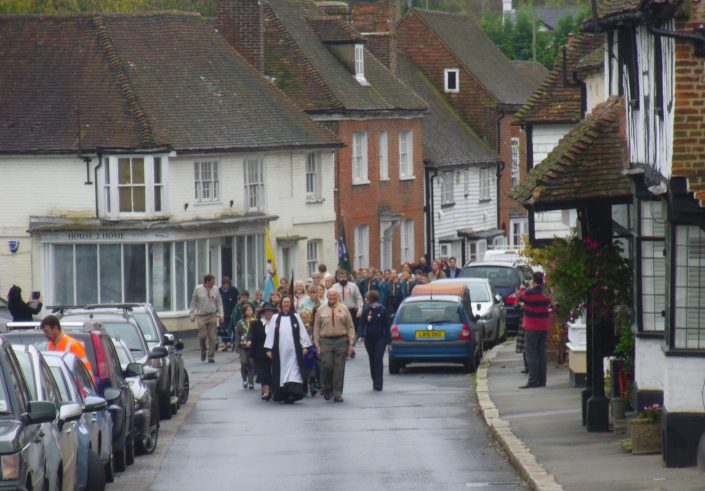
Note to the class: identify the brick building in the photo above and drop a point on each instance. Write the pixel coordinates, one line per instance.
(322, 63)
(483, 86)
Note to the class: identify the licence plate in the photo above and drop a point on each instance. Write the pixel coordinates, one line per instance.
(430, 334)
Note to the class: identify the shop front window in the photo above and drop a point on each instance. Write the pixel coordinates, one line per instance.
(689, 290)
(651, 250)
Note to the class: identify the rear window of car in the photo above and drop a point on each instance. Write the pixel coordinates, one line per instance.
(129, 334)
(498, 275)
(429, 311)
(146, 323)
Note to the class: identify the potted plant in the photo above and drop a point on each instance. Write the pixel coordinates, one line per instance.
(646, 430)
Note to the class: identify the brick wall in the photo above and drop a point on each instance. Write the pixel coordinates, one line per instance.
(241, 22)
(362, 204)
(372, 15)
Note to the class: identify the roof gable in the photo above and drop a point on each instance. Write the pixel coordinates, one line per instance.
(558, 100)
(142, 81)
(466, 40)
(322, 52)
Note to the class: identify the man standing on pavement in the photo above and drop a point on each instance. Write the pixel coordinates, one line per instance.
(536, 322)
(334, 338)
(206, 310)
(349, 295)
(60, 341)
(452, 271)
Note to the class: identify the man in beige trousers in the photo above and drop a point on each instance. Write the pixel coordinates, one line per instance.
(334, 337)
(206, 311)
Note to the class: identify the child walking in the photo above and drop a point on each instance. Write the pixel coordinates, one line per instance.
(244, 337)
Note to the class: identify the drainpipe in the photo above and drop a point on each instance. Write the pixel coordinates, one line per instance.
(500, 169)
(431, 174)
(529, 166)
(95, 183)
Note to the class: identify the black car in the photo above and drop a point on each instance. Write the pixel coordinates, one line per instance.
(505, 277)
(108, 375)
(173, 382)
(21, 451)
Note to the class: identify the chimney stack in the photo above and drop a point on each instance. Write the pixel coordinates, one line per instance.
(242, 24)
(376, 20)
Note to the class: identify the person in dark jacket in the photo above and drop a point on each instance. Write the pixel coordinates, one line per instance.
(20, 310)
(229, 294)
(263, 365)
(536, 322)
(374, 328)
(452, 271)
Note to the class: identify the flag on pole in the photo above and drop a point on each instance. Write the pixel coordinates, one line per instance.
(271, 280)
(343, 255)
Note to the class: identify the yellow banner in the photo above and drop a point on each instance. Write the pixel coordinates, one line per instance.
(271, 264)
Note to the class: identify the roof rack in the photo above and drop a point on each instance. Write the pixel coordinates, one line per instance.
(94, 306)
(19, 326)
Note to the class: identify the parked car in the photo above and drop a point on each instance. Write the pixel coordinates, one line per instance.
(23, 456)
(91, 474)
(63, 430)
(487, 304)
(146, 406)
(106, 373)
(173, 382)
(506, 279)
(5, 314)
(434, 325)
(101, 429)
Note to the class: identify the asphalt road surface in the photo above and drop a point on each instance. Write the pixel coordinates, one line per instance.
(420, 433)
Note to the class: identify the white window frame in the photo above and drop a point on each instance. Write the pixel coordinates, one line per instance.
(407, 241)
(406, 154)
(313, 176)
(516, 162)
(359, 158)
(486, 184)
(517, 228)
(383, 156)
(448, 188)
(360, 64)
(313, 251)
(446, 85)
(362, 246)
(110, 187)
(206, 177)
(256, 186)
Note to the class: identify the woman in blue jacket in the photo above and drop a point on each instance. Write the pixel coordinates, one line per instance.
(374, 328)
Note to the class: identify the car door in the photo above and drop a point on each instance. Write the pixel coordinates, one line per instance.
(118, 381)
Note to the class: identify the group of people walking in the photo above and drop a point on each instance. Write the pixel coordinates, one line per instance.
(296, 344)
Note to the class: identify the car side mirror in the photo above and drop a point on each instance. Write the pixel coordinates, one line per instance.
(94, 404)
(498, 298)
(134, 370)
(39, 412)
(150, 373)
(158, 352)
(111, 395)
(70, 411)
(169, 339)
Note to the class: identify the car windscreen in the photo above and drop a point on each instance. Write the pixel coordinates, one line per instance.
(28, 372)
(479, 293)
(430, 312)
(122, 355)
(499, 276)
(146, 323)
(35, 339)
(129, 334)
(61, 382)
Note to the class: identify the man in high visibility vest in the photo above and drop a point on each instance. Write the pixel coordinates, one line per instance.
(60, 341)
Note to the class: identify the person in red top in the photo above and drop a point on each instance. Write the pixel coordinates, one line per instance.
(536, 321)
(60, 341)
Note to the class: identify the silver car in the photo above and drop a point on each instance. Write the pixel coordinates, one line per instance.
(487, 305)
(60, 436)
(95, 426)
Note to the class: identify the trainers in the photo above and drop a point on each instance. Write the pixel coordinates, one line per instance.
(203, 356)
(338, 399)
(244, 384)
(252, 387)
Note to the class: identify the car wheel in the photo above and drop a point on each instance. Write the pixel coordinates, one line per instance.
(96, 473)
(148, 443)
(120, 458)
(394, 367)
(165, 404)
(183, 397)
(109, 470)
(130, 452)
(470, 364)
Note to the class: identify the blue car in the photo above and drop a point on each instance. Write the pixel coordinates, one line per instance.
(436, 328)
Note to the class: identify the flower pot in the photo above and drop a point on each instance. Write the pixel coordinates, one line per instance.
(646, 436)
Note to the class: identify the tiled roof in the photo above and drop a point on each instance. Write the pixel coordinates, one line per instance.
(533, 71)
(331, 29)
(555, 101)
(479, 55)
(586, 164)
(137, 81)
(593, 61)
(696, 185)
(332, 67)
(614, 12)
(447, 140)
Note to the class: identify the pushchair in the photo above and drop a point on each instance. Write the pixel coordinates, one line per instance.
(225, 336)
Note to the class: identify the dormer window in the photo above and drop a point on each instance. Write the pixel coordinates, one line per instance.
(360, 64)
(452, 79)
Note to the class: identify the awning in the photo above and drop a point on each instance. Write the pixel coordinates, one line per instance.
(472, 234)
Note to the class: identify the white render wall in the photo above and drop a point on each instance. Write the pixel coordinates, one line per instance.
(550, 224)
(649, 364)
(684, 383)
(467, 212)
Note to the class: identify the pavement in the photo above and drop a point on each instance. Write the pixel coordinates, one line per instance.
(541, 431)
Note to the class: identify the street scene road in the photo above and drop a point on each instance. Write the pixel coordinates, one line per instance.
(421, 432)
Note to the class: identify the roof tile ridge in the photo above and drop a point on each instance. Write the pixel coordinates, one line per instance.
(120, 75)
(309, 66)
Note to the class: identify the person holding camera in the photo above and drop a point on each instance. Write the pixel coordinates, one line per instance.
(536, 323)
(20, 310)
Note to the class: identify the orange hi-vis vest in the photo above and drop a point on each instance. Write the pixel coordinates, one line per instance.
(67, 344)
